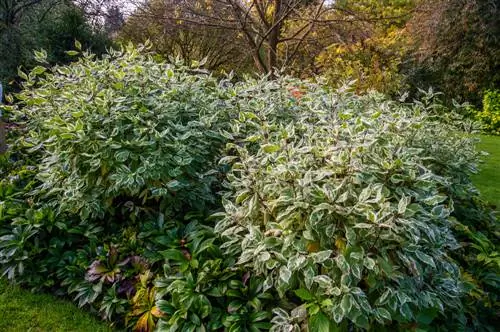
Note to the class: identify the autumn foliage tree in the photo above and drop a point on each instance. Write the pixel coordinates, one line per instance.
(173, 32)
(373, 50)
(273, 34)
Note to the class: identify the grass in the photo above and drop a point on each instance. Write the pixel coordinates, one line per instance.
(21, 310)
(488, 179)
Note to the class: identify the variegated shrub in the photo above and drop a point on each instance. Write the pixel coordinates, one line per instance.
(123, 135)
(340, 202)
(336, 212)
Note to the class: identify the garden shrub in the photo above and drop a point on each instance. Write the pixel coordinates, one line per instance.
(490, 115)
(161, 198)
(122, 155)
(343, 205)
(124, 134)
(16, 178)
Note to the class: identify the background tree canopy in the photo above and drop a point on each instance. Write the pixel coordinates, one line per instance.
(52, 25)
(456, 47)
(391, 46)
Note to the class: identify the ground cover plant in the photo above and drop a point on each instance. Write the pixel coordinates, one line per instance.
(162, 198)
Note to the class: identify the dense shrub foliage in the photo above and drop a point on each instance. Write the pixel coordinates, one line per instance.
(373, 62)
(159, 197)
(345, 202)
(490, 115)
(123, 133)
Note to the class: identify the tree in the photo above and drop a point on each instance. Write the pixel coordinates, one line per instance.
(11, 16)
(172, 33)
(374, 50)
(11, 12)
(277, 32)
(52, 25)
(263, 23)
(106, 15)
(456, 47)
(114, 20)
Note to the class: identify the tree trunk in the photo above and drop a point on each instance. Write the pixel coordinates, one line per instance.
(272, 51)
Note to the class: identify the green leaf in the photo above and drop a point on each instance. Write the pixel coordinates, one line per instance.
(425, 258)
(403, 203)
(22, 74)
(242, 196)
(304, 294)
(173, 254)
(253, 138)
(369, 263)
(321, 256)
(38, 70)
(323, 281)
(122, 156)
(234, 306)
(260, 316)
(319, 322)
(173, 185)
(426, 316)
(346, 304)
(383, 313)
(270, 148)
(285, 274)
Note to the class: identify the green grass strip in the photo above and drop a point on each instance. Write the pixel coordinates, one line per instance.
(21, 310)
(488, 179)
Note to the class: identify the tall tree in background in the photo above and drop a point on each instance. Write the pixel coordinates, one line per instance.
(53, 25)
(375, 48)
(11, 15)
(456, 47)
(273, 30)
(173, 33)
(114, 20)
(11, 12)
(276, 32)
(106, 14)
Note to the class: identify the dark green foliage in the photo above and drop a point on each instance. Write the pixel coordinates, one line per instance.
(49, 25)
(58, 36)
(201, 289)
(457, 49)
(477, 230)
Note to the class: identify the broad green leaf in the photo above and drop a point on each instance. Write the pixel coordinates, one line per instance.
(304, 294)
(270, 148)
(319, 322)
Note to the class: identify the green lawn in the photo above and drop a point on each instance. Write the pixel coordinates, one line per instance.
(23, 311)
(488, 179)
